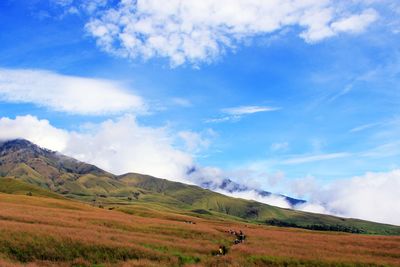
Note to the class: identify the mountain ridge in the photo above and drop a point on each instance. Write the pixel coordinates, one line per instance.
(23, 161)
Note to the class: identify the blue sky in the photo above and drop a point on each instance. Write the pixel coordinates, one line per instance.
(311, 95)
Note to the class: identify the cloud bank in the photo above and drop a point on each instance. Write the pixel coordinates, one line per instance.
(274, 200)
(75, 95)
(192, 31)
(373, 196)
(122, 145)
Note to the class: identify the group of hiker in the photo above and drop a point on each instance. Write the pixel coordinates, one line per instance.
(240, 238)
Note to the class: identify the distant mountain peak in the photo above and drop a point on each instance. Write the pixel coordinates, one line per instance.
(17, 144)
(23, 149)
(231, 186)
(20, 157)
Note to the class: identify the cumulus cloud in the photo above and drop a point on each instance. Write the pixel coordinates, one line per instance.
(355, 23)
(76, 95)
(118, 146)
(199, 31)
(40, 132)
(373, 196)
(123, 145)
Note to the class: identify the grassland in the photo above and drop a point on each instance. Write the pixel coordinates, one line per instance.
(48, 231)
(26, 168)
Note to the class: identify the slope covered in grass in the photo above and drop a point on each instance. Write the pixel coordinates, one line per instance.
(14, 186)
(82, 235)
(200, 199)
(26, 162)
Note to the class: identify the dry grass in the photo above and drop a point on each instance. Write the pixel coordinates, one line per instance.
(49, 232)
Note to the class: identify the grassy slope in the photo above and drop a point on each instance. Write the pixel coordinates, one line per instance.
(78, 180)
(145, 235)
(197, 198)
(14, 186)
(104, 189)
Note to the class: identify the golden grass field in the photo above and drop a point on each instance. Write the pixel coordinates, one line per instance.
(37, 231)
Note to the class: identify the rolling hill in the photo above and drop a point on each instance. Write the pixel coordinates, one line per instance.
(38, 231)
(38, 170)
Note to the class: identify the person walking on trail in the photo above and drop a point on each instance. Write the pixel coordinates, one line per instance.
(242, 237)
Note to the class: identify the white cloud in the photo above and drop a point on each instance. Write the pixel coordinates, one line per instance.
(382, 151)
(40, 132)
(363, 127)
(275, 178)
(63, 2)
(195, 142)
(181, 102)
(303, 187)
(313, 158)
(223, 119)
(373, 196)
(245, 110)
(123, 145)
(355, 23)
(236, 113)
(64, 93)
(118, 146)
(89, 6)
(274, 200)
(200, 31)
(93, 5)
(313, 207)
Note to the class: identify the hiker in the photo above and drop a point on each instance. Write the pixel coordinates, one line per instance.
(242, 237)
(222, 250)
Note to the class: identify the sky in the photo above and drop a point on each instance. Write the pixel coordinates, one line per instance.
(296, 97)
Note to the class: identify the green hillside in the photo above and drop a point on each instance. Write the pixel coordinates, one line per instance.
(200, 199)
(40, 171)
(16, 187)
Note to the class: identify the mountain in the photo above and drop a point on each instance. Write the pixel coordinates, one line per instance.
(28, 168)
(232, 187)
(51, 170)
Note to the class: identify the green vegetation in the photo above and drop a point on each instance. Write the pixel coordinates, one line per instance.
(35, 167)
(27, 247)
(14, 186)
(44, 231)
